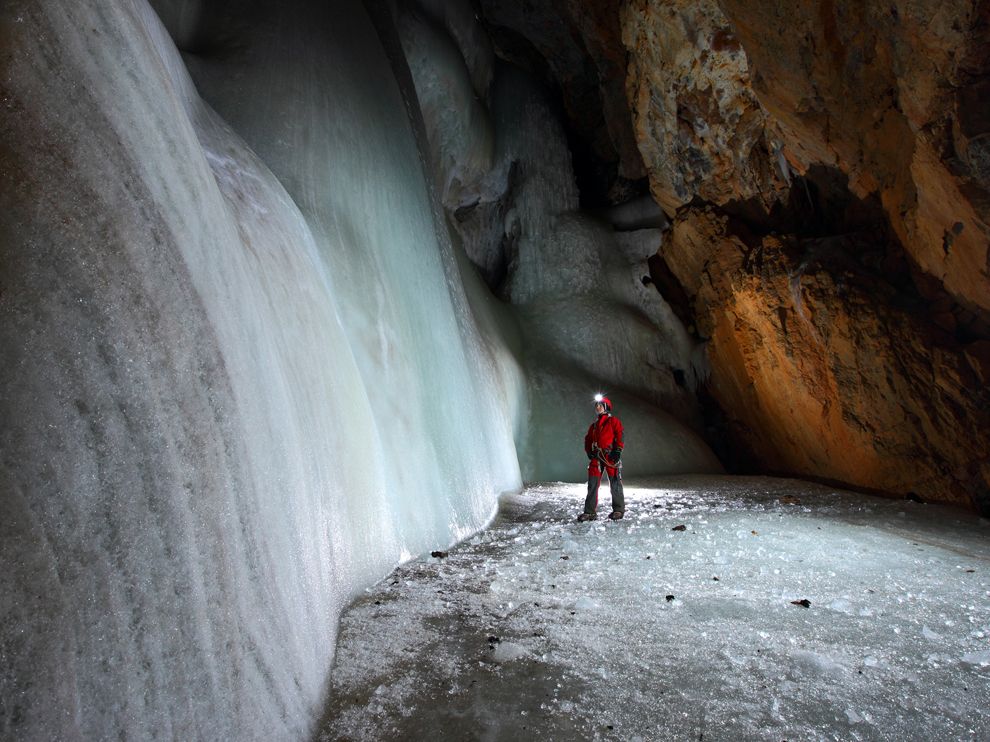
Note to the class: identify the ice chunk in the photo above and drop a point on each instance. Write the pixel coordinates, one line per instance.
(981, 659)
(509, 651)
(841, 605)
(815, 663)
(585, 603)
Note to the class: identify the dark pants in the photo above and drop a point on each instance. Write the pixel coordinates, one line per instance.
(614, 483)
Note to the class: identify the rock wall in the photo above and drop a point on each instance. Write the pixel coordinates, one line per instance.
(828, 368)
(824, 169)
(850, 347)
(700, 128)
(894, 95)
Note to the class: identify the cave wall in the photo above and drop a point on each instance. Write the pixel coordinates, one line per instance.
(823, 167)
(894, 96)
(577, 46)
(699, 125)
(826, 366)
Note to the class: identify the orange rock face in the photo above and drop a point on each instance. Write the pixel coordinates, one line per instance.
(895, 94)
(828, 371)
(700, 128)
(825, 367)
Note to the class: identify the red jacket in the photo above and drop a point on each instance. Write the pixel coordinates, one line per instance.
(606, 431)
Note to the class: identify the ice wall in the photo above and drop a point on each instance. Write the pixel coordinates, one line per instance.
(240, 375)
(572, 281)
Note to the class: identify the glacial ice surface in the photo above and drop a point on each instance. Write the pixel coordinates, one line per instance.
(543, 628)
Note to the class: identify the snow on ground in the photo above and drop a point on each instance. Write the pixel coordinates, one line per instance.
(543, 628)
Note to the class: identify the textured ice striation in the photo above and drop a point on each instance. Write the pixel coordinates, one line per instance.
(544, 628)
(241, 377)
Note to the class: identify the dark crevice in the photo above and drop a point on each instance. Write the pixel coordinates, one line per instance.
(825, 225)
(214, 30)
(598, 180)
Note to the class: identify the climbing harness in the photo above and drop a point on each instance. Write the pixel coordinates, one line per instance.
(600, 455)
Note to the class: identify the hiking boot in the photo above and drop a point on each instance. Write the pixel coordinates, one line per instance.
(587, 516)
(616, 515)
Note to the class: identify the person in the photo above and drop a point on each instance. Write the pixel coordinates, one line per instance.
(604, 444)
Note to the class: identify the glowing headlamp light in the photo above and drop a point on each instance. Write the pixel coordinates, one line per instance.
(599, 397)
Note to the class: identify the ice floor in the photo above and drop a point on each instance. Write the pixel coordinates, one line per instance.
(543, 628)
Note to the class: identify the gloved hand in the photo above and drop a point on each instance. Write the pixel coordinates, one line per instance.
(615, 454)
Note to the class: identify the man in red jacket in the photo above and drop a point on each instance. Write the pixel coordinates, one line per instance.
(603, 444)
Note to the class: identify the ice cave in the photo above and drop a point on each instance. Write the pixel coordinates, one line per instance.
(304, 307)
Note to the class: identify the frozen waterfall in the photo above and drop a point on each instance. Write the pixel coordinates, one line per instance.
(236, 387)
(243, 375)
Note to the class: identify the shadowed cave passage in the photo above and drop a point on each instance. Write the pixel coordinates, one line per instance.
(543, 628)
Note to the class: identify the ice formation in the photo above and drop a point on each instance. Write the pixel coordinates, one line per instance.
(586, 316)
(245, 370)
(241, 379)
(451, 102)
(544, 628)
(587, 320)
